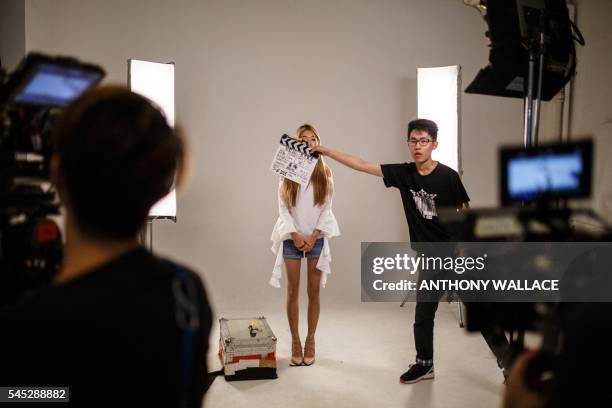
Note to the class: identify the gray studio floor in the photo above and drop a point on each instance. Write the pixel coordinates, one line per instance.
(361, 352)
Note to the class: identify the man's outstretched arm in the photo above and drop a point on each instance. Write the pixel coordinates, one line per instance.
(353, 162)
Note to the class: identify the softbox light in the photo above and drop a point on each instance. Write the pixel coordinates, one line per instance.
(155, 81)
(439, 100)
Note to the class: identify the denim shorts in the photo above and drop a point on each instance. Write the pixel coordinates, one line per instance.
(291, 252)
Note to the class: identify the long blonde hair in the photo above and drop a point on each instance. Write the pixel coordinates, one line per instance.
(319, 178)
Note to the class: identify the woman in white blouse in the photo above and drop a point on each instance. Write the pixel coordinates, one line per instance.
(304, 226)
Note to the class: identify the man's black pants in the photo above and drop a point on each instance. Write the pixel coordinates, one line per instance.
(426, 306)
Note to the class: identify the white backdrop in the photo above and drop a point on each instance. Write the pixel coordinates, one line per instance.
(249, 71)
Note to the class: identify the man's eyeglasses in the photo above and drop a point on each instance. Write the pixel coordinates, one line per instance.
(421, 142)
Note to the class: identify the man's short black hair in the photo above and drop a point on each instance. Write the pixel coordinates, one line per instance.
(118, 156)
(424, 125)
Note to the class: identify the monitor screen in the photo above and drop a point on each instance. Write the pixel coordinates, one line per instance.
(56, 85)
(546, 172)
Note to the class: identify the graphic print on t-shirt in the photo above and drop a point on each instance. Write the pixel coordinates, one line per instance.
(425, 203)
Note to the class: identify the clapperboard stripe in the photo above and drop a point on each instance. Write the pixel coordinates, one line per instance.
(299, 146)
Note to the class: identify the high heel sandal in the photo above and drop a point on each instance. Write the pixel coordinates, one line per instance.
(297, 358)
(309, 352)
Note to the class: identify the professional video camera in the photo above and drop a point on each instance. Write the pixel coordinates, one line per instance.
(535, 186)
(31, 100)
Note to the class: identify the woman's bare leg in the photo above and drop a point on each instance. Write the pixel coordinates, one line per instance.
(314, 308)
(292, 267)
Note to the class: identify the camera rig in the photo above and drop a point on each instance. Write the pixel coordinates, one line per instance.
(31, 100)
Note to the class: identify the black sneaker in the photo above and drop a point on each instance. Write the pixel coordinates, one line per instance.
(417, 372)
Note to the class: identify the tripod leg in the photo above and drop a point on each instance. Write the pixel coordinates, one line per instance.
(405, 299)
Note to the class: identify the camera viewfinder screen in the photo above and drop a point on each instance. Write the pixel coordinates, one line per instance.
(530, 177)
(554, 171)
(56, 85)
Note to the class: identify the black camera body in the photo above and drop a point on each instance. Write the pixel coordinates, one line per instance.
(31, 100)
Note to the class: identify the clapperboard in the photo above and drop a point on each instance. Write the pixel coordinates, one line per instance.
(294, 160)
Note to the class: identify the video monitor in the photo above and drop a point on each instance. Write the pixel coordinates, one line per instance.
(54, 82)
(546, 172)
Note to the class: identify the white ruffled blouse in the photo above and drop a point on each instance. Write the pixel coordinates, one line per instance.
(285, 225)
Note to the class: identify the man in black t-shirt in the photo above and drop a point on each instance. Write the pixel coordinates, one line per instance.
(111, 336)
(425, 186)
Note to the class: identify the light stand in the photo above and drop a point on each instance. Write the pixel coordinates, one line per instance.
(150, 229)
(536, 129)
(528, 125)
(531, 129)
(146, 233)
